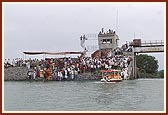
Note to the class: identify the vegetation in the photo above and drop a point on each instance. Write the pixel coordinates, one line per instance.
(148, 67)
(147, 63)
(160, 74)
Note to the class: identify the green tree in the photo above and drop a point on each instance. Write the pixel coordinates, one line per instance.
(147, 63)
(160, 74)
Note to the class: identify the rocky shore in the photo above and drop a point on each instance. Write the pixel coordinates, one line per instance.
(20, 74)
(15, 74)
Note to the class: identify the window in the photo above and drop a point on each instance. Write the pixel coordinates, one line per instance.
(107, 41)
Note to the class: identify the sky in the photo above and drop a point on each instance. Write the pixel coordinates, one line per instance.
(56, 27)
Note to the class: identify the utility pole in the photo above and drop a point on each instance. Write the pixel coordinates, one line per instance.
(117, 21)
(134, 35)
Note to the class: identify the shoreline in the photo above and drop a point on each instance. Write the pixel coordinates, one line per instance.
(20, 74)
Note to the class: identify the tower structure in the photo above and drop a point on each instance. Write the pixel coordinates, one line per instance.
(107, 40)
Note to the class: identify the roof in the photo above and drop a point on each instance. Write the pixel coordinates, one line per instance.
(52, 53)
(111, 70)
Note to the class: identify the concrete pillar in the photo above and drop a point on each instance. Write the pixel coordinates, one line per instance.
(134, 67)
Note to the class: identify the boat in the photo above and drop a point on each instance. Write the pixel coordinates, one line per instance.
(111, 75)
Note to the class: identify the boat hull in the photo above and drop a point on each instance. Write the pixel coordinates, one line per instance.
(111, 80)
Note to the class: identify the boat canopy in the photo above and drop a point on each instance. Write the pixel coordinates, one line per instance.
(51, 53)
(110, 70)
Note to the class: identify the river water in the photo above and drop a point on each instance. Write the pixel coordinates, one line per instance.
(130, 95)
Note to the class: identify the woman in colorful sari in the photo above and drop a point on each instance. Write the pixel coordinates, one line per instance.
(47, 72)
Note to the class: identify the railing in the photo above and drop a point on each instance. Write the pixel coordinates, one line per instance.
(152, 43)
(92, 48)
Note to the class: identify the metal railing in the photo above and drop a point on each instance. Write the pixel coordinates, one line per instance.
(92, 48)
(152, 43)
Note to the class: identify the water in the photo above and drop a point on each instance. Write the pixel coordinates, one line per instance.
(130, 95)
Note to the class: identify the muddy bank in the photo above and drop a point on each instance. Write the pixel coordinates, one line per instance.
(20, 74)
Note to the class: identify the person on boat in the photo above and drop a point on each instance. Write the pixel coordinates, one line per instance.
(105, 78)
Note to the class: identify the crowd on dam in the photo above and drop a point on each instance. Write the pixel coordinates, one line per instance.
(70, 68)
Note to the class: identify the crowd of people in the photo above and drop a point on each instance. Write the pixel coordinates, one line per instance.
(70, 68)
(18, 62)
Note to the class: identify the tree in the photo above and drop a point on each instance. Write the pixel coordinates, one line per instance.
(160, 74)
(147, 63)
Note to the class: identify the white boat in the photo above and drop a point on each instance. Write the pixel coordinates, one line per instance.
(111, 75)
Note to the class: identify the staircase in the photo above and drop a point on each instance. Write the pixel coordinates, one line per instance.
(130, 66)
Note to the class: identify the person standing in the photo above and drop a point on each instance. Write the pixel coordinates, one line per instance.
(58, 75)
(13, 63)
(5, 63)
(30, 73)
(125, 74)
(55, 74)
(34, 73)
(66, 73)
(47, 72)
(75, 74)
(72, 74)
(61, 75)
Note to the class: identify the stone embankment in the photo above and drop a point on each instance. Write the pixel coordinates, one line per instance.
(15, 74)
(20, 74)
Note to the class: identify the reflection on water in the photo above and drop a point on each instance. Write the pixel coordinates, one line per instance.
(130, 95)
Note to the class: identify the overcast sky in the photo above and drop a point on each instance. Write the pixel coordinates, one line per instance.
(58, 27)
